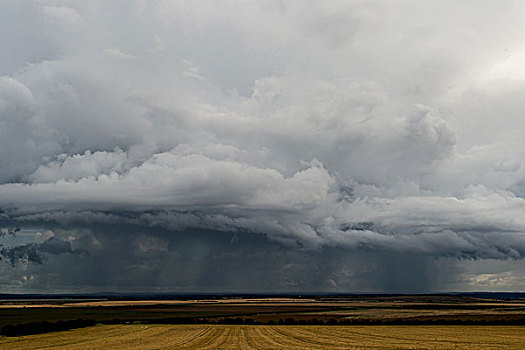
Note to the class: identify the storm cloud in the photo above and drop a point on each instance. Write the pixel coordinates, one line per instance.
(350, 127)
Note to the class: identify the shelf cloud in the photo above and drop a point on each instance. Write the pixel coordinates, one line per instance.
(359, 127)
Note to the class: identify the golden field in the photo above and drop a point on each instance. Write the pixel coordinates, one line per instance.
(136, 336)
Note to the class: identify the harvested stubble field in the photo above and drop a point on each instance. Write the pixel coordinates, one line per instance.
(274, 337)
(377, 322)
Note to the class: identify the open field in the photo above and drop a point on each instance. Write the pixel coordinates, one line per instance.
(274, 337)
(25, 303)
(394, 310)
(379, 322)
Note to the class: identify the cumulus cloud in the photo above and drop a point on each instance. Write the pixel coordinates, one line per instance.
(369, 126)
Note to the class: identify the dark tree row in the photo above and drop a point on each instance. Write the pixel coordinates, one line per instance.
(44, 327)
(343, 322)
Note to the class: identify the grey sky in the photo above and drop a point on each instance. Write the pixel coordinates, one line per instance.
(314, 144)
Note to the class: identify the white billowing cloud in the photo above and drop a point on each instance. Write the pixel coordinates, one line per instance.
(25, 139)
(392, 126)
(79, 166)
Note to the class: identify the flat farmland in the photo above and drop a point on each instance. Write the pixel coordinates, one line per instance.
(273, 337)
(377, 322)
(398, 310)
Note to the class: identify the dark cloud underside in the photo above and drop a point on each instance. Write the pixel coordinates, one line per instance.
(246, 145)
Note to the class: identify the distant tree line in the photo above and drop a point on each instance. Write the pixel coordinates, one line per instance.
(44, 327)
(334, 322)
(358, 322)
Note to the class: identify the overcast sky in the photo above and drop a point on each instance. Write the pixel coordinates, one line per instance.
(241, 146)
